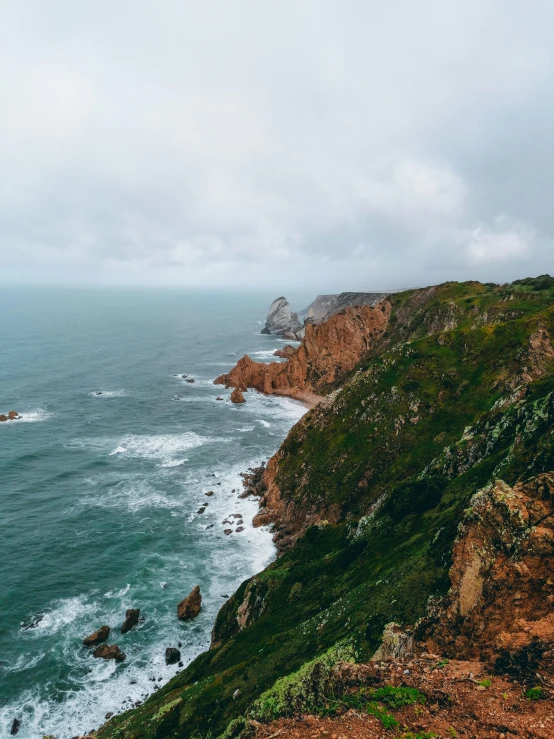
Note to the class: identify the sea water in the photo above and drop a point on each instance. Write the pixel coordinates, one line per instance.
(102, 481)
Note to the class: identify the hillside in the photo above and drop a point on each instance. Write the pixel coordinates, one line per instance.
(417, 493)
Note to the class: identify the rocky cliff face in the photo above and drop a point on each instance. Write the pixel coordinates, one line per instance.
(281, 320)
(327, 353)
(324, 306)
(500, 608)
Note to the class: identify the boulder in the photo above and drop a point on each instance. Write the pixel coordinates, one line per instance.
(12, 415)
(190, 606)
(107, 651)
(131, 619)
(280, 319)
(237, 396)
(219, 397)
(172, 656)
(209, 493)
(228, 531)
(3, 418)
(16, 723)
(97, 636)
(191, 379)
(239, 529)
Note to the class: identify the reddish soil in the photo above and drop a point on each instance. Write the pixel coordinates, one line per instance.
(461, 700)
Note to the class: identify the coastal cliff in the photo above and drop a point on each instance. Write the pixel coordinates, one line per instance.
(327, 353)
(412, 508)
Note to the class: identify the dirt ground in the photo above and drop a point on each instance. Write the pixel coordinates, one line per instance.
(461, 700)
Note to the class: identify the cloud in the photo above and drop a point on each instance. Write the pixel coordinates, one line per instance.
(345, 145)
(495, 246)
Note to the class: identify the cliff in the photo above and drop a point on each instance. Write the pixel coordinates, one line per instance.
(327, 353)
(324, 306)
(417, 493)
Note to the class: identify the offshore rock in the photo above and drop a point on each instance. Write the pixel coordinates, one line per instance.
(97, 636)
(172, 656)
(281, 320)
(106, 651)
(237, 396)
(190, 606)
(131, 619)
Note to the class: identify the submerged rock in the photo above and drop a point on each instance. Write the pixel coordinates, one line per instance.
(97, 636)
(15, 726)
(33, 623)
(281, 320)
(190, 606)
(237, 396)
(107, 651)
(131, 619)
(172, 656)
(191, 379)
(227, 531)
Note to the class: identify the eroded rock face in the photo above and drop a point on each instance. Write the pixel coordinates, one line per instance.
(97, 636)
(281, 320)
(190, 606)
(107, 651)
(500, 606)
(131, 619)
(327, 352)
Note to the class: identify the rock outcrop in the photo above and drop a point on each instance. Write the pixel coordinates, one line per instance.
(237, 396)
(172, 656)
(190, 606)
(106, 651)
(131, 619)
(281, 320)
(11, 416)
(500, 606)
(97, 636)
(327, 353)
(324, 306)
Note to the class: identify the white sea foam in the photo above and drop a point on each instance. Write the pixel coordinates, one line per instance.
(108, 393)
(265, 424)
(118, 450)
(64, 612)
(133, 495)
(244, 429)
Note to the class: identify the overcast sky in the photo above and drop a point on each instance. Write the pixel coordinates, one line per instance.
(334, 144)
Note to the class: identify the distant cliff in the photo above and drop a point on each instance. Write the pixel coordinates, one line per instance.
(324, 306)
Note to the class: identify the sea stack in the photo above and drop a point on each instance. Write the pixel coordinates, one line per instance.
(190, 606)
(281, 320)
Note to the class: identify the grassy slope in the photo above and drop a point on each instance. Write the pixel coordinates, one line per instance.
(414, 477)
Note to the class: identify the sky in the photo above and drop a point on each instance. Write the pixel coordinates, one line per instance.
(327, 144)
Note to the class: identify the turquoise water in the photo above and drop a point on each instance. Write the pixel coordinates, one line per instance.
(99, 494)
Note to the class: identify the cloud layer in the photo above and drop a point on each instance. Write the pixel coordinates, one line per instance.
(344, 145)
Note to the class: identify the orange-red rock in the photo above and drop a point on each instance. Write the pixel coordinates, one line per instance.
(237, 396)
(190, 606)
(327, 353)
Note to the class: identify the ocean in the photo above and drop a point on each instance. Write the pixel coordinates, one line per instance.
(102, 481)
